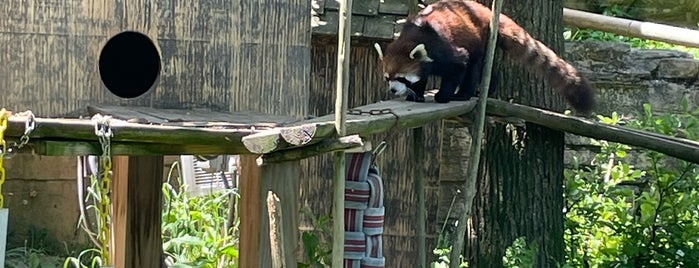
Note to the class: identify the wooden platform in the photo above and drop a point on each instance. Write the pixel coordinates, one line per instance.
(149, 131)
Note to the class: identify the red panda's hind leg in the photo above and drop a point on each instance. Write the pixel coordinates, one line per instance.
(450, 81)
(470, 81)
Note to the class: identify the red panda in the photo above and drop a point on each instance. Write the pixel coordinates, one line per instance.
(448, 39)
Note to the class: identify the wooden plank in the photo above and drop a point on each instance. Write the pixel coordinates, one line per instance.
(136, 202)
(365, 7)
(60, 147)
(187, 117)
(84, 129)
(250, 207)
(380, 26)
(395, 7)
(398, 113)
(120, 178)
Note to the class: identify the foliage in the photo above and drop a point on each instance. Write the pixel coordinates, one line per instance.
(443, 247)
(27, 257)
(520, 254)
(195, 229)
(90, 257)
(196, 232)
(635, 208)
(317, 245)
(443, 258)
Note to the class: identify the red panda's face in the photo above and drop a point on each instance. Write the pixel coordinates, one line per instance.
(401, 67)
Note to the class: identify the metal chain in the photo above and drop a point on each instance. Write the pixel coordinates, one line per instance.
(4, 114)
(104, 134)
(372, 112)
(29, 126)
(379, 112)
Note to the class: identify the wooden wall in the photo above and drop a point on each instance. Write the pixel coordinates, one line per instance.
(397, 163)
(64, 39)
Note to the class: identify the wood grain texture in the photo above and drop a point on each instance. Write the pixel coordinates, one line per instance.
(270, 73)
(49, 60)
(137, 203)
(271, 65)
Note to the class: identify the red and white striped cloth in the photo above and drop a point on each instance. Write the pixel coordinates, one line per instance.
(364, 213)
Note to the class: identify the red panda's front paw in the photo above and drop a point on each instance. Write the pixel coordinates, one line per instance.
(415, 98)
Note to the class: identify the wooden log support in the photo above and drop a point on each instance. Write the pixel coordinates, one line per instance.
(282, 179)
(136, 211)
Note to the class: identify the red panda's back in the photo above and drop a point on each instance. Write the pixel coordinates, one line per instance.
(463, 23)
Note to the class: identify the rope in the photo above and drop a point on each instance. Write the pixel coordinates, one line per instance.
(4, 114)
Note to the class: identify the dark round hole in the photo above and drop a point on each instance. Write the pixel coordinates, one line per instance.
(129, 64)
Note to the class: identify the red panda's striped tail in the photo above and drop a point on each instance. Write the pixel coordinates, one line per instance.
(561, 75)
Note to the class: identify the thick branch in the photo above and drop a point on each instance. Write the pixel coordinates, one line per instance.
(679, 148)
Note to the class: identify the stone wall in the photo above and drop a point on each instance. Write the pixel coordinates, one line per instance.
(626, 78)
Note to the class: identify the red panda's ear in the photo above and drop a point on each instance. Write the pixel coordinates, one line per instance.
(420, 53)
(378, 50)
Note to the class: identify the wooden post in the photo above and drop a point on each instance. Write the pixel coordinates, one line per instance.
(469, 192)
(342, 85)
(270, 70)
(136, 211)
(255, 183)
(276, 239)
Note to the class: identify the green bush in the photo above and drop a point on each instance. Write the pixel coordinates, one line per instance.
(641, 213)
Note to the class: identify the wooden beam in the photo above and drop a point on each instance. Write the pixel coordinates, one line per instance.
(136, 209)
(633, 28)
(325, 146)
(63, 147)
(255, 183)
(84, 129)
(680, 148)
(387, 114)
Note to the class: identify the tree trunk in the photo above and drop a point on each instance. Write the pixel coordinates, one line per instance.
(521, 173)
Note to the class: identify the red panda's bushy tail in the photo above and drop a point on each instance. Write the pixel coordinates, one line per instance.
(561, 75)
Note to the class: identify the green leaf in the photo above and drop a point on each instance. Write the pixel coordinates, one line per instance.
(647, 212)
